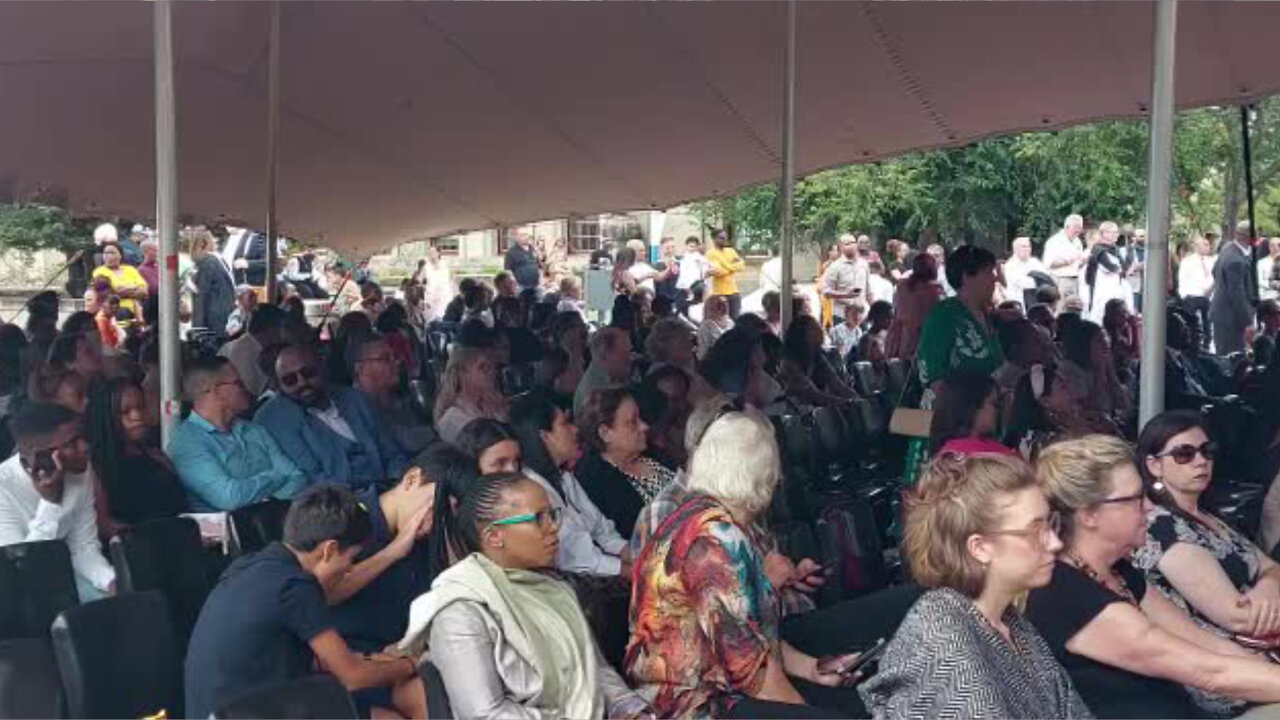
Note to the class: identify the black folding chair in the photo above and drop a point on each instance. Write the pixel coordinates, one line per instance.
(318, 697)
(255, 526)
(118, 658)
(165, 555)
(36, 583)
(29, 683)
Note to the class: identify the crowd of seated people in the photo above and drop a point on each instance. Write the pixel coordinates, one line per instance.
(588, 520)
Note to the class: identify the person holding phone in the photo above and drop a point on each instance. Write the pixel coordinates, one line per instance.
(979, 533)
(704, 613)
(45, 494)
(845, 280)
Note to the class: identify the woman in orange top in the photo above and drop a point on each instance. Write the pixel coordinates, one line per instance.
(725, 266)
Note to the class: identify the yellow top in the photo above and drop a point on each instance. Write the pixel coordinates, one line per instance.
(725, 266)
(126, 277)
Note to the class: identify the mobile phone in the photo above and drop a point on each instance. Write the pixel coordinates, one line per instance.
(850, 663)
(866, 656)
(42, 463)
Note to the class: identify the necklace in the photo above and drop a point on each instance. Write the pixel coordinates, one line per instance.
(1094, 576)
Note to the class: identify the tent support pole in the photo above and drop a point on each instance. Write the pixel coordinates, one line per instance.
(786, 229)
(167, 214)
(1155, 293)
(1248, 178)
(273, 148)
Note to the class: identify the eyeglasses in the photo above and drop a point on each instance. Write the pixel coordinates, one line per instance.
(546, 519)
(304, 373)
(1184, 454)
(1127, 498)
(1042, 530)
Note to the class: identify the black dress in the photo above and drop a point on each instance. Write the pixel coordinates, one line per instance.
(142, 488)
(1063, 608)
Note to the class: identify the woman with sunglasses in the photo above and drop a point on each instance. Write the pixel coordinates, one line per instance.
(1225, 582)
(978, 534)
(1131, 653)
(510, 640)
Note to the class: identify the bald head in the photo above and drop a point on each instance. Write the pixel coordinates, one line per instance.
(298, 373)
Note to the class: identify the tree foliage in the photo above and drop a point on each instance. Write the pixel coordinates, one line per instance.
(32, 227)
(994, 190)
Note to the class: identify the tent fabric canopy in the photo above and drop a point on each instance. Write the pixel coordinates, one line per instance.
(413, 119)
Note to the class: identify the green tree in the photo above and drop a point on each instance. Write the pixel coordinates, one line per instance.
(42, 227)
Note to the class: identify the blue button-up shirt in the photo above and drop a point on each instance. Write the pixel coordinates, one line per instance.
(226, 470)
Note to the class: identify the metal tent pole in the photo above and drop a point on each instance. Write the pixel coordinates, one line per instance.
(1248, 179)
(273, 149)
(786, 229)
(167, 215)
(1155, 293)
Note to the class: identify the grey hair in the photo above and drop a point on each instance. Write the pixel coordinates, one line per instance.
(737, 463)
(1073, 220)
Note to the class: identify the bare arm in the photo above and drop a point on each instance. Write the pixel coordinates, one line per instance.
(1172, 619)
(367, 571)
(354, 671)
(1121, 636)
(1198, 576)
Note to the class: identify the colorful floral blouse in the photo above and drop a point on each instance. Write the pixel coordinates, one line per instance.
(952, 340)
(704, 618)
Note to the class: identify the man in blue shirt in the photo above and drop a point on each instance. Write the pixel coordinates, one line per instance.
(267, 621)
(331, 434)
(225, 462)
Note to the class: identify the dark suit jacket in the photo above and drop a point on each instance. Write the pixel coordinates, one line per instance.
(1233, 286)
(215, 295)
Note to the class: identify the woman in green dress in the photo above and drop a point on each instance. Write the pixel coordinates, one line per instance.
(958, 335)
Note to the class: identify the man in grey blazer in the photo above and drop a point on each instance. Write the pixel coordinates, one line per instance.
(215, 293)
(1234, 295)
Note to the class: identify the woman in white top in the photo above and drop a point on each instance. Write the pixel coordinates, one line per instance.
(437, 281)
(715, 322)
(589, 542)
(469, 391)
(1266, 291)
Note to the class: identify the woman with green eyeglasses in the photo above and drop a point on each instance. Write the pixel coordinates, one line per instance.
(1130, 651)
(509, 639)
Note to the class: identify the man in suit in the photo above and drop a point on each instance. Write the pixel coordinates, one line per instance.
(215, 292)
(1234, 295)
(331, 433)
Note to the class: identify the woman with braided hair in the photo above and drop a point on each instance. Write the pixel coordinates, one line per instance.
(978, 534)
(510, 640)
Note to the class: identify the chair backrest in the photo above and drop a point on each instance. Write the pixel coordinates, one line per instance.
(866, 379)
(255, 526)
(29, 683)
(118, 658)
(165, 555)
(896, 376)
(316, 697)
(437, 695)
(36, 583)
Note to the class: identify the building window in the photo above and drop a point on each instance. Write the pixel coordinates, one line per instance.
(584, 235)
(448, 245)
(505, 237)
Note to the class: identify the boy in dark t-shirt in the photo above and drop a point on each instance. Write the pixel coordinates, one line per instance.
(267, 621)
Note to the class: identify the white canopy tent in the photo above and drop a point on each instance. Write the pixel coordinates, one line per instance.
(402, 120)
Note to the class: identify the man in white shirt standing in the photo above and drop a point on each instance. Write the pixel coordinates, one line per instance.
(846, 279)
(1065, 256)
(45, 494)
(1017, 273)
(693, 272)
(1266, 266)
(1195, 285)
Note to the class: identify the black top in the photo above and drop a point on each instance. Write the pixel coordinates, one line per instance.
(143, 488)
(614, 492)
(524, 265)
(1063, 608)
(378, 615)
(254, 630)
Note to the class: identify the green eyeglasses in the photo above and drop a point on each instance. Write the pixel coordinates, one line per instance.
(545, 518)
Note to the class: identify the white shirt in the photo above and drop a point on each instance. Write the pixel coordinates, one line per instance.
(1017, 274)
(879, 288)
(1265, 266)
(1060, 247)
(334, 421)
(643, 274)
(693, 269)
(842, 277)
(589, 541)
(844, 338)
(709, 332)
(1195, 275)
(27, 517)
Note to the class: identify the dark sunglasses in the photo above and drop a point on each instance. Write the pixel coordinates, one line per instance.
(305, 373)
(1184, 454)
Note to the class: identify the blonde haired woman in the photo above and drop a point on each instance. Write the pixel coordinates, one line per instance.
(979, 533)
(468, 392)
(1128, 649)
